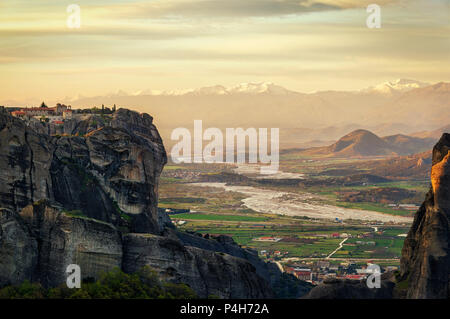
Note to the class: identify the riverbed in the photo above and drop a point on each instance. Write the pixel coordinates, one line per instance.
(303, 204)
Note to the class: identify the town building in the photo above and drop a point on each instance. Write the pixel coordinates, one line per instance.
(304, 274)
(44, 111)
(270, 239)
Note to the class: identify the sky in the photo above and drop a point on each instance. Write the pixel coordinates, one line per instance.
(130, 45)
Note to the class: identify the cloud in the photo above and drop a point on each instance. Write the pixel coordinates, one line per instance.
(221, 8)
(348, 4)
(149, 33)
(236, 8)
(171, 44)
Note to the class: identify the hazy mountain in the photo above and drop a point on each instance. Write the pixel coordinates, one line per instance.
(397, 86)
(405, 145)
(401, 167)
(389, 87)
(429, 105)
(362, 143)
(243, 88)
(324, 136)
(301, 117)
(435, 134)
(357, 143)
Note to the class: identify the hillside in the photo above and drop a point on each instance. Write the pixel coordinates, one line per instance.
(416, 166)
(405, 145)
(361, 143)
(434, 134)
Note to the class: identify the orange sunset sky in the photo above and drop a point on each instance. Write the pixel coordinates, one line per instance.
(130, 45)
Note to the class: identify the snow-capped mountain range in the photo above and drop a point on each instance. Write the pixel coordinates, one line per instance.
(243, 88)
(400, 106)
(397, 86)
(382, 90)
(385, 88)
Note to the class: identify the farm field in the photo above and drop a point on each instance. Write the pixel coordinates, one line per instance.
(229, 211)
(219, 217)
(305, 240)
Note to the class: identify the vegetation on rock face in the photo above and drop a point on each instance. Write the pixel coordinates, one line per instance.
(75, 213)
(87, 178)
(112, 285)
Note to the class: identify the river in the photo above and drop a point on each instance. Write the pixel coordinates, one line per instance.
(300, 204)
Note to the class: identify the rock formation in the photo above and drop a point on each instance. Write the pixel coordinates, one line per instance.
(38, 244)
(110, 171)
(90, 197)
(209, 273)
(425, 264)
(350, 289)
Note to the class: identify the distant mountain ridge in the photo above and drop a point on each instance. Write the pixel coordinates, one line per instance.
(242, 88)
(435, 134)
(301, 117)
(399, 85)
(388, 87)
(361, 143)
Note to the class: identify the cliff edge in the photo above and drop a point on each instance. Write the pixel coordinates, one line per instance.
(89, 197)
(425, 263)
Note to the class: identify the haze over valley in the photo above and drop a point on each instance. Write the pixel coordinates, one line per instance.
(305, 119)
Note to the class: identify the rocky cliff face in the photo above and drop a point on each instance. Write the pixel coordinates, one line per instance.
(351, 289)
(110, 171)
(25, 160)
(38, 244)
(207, 272)
(90, 198)
(425, 260)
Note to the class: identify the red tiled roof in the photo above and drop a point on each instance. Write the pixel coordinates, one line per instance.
(354, 276)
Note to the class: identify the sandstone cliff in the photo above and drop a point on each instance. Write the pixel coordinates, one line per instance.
(207, 272)
(425, 260)
(89, 197)
(38, 243)
(111, 171)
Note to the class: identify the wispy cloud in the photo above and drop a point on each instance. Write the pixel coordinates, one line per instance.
(167, 44)
(219, 8)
